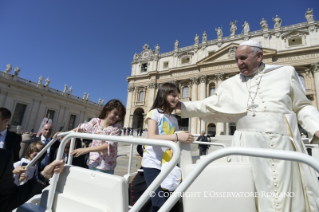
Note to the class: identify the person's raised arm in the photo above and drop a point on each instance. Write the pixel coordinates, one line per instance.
(183, 136)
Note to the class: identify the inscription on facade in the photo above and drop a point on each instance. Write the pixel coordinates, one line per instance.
(185, 73)
(219, 67)
(299, 57)
(164, 77)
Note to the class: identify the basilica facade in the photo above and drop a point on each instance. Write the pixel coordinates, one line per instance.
(200, 68)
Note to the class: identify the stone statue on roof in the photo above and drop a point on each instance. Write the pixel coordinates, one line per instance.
(176, 45)
(8, 69)
(246, 27)
(264, 24)
(277, 21)
(219, 32)
(47, 82)
(196, 39)
(70, 90)
(204, 37)
(309, 15)
(157, 49)
(233, 28)
(16, 71)
(40, 80)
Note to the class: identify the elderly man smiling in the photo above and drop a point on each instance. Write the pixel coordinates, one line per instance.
(268, 101)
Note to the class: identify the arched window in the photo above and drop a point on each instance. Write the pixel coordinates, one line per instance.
(141, 97)
(211, 89)
(185, 92)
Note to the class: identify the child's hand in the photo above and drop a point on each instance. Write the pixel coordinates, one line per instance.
(56, 134)
(78, 152)
(19, 170)
(185, 137)
(23, 177)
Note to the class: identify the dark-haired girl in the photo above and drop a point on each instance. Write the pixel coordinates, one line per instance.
(103, 153)
(162, 125)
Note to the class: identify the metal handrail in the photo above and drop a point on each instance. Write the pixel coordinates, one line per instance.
(254, 152)
(208, 143)
(154, 142)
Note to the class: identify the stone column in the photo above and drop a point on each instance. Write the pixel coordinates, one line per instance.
(309, 80)
(128, 106)
(33, 110)
(3, 97)
(203, 80)
(220, 126)
(315, 69)
(194, 81)
(227, 128)
(151, 95)
(40, 115)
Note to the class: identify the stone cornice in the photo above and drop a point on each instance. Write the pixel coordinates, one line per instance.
(291, 51)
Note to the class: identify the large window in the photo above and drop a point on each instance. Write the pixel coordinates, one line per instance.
(50, 114)
(302, 80)
(185, 92)
(72, 122)
(18, 114)
(144, 67)
(211, 90)
(295, 41)
(185, 60)
(141, 96)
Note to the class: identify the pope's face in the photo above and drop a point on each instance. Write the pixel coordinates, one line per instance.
(247, 61)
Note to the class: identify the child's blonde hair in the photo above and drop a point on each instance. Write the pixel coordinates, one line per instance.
(33, 147)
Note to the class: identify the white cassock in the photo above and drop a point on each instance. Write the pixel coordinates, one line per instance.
(282, 104)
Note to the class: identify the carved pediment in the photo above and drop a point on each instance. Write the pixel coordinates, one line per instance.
(227, 54)
(294, 34)
(221, 55)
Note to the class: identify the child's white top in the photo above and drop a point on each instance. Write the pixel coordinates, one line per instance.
(166, 125)
(32, 171)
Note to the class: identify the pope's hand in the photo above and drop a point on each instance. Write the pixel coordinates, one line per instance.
(317, 134)
(185, 137)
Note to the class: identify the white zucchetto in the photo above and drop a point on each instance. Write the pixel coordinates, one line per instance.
(251, 43)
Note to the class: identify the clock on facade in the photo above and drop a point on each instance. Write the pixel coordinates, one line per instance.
(145, 54)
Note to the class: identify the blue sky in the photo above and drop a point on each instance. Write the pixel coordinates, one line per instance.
(89, 44)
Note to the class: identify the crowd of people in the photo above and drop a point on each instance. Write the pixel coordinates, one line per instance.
(268, 100)
(131, 131)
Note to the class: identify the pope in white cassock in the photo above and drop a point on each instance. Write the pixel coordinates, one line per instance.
(267, 102)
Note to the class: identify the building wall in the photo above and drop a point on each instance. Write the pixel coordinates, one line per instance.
(39, 99)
